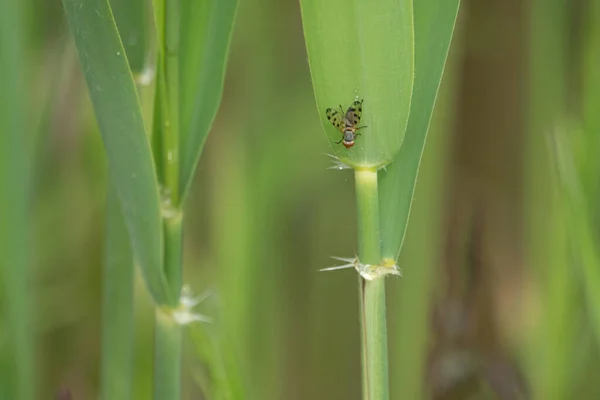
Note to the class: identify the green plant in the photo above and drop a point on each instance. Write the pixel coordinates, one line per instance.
(399, 87)
(152, 159)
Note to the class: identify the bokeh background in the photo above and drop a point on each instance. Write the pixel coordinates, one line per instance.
(266, 213)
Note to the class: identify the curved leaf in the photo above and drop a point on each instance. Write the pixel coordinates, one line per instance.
(119, 117)
(362, 50)
(434, 25)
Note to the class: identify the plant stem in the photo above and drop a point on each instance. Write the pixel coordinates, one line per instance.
(367, 204)
(167, 357)
(167, 361)
(173, 247)
(169, 93)
(117, 308)
(372, 293)
(170, 58)
(167, 346)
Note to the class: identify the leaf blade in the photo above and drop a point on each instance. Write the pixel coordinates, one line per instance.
(434, 26)
(119, 117)
(131, 19)
(207, 27)
(117, 306)
(365, 50)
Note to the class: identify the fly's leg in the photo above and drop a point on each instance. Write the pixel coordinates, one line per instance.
(357, 130)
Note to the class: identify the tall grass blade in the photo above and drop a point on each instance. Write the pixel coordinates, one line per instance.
(434, 26)
(206, 28)
(116, 373)
(16, 344)
(117, 307)
(119, 117)
(131, 17)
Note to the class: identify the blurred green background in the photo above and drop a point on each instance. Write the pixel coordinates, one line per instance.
(492, 304)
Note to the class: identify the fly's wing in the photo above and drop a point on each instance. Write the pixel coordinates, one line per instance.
(336, 119)
(353, 114)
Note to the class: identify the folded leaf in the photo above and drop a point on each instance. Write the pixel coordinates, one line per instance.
(119, 117)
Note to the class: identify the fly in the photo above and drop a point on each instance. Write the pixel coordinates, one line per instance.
(347, 123)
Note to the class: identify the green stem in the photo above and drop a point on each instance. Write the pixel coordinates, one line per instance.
(167, 358)
(170, 60)
(372, 293)
(173, 247)
(117, 307)
(367, 204)
(167, 362)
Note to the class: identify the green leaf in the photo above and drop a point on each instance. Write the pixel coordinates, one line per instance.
(206, 28)
(434, 25)
(362, 50)
(132, 20)
(117, 307)
(16, 368)
(119, 117)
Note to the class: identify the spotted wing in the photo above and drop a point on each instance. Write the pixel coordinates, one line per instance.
(353, 114)
(336, 118)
